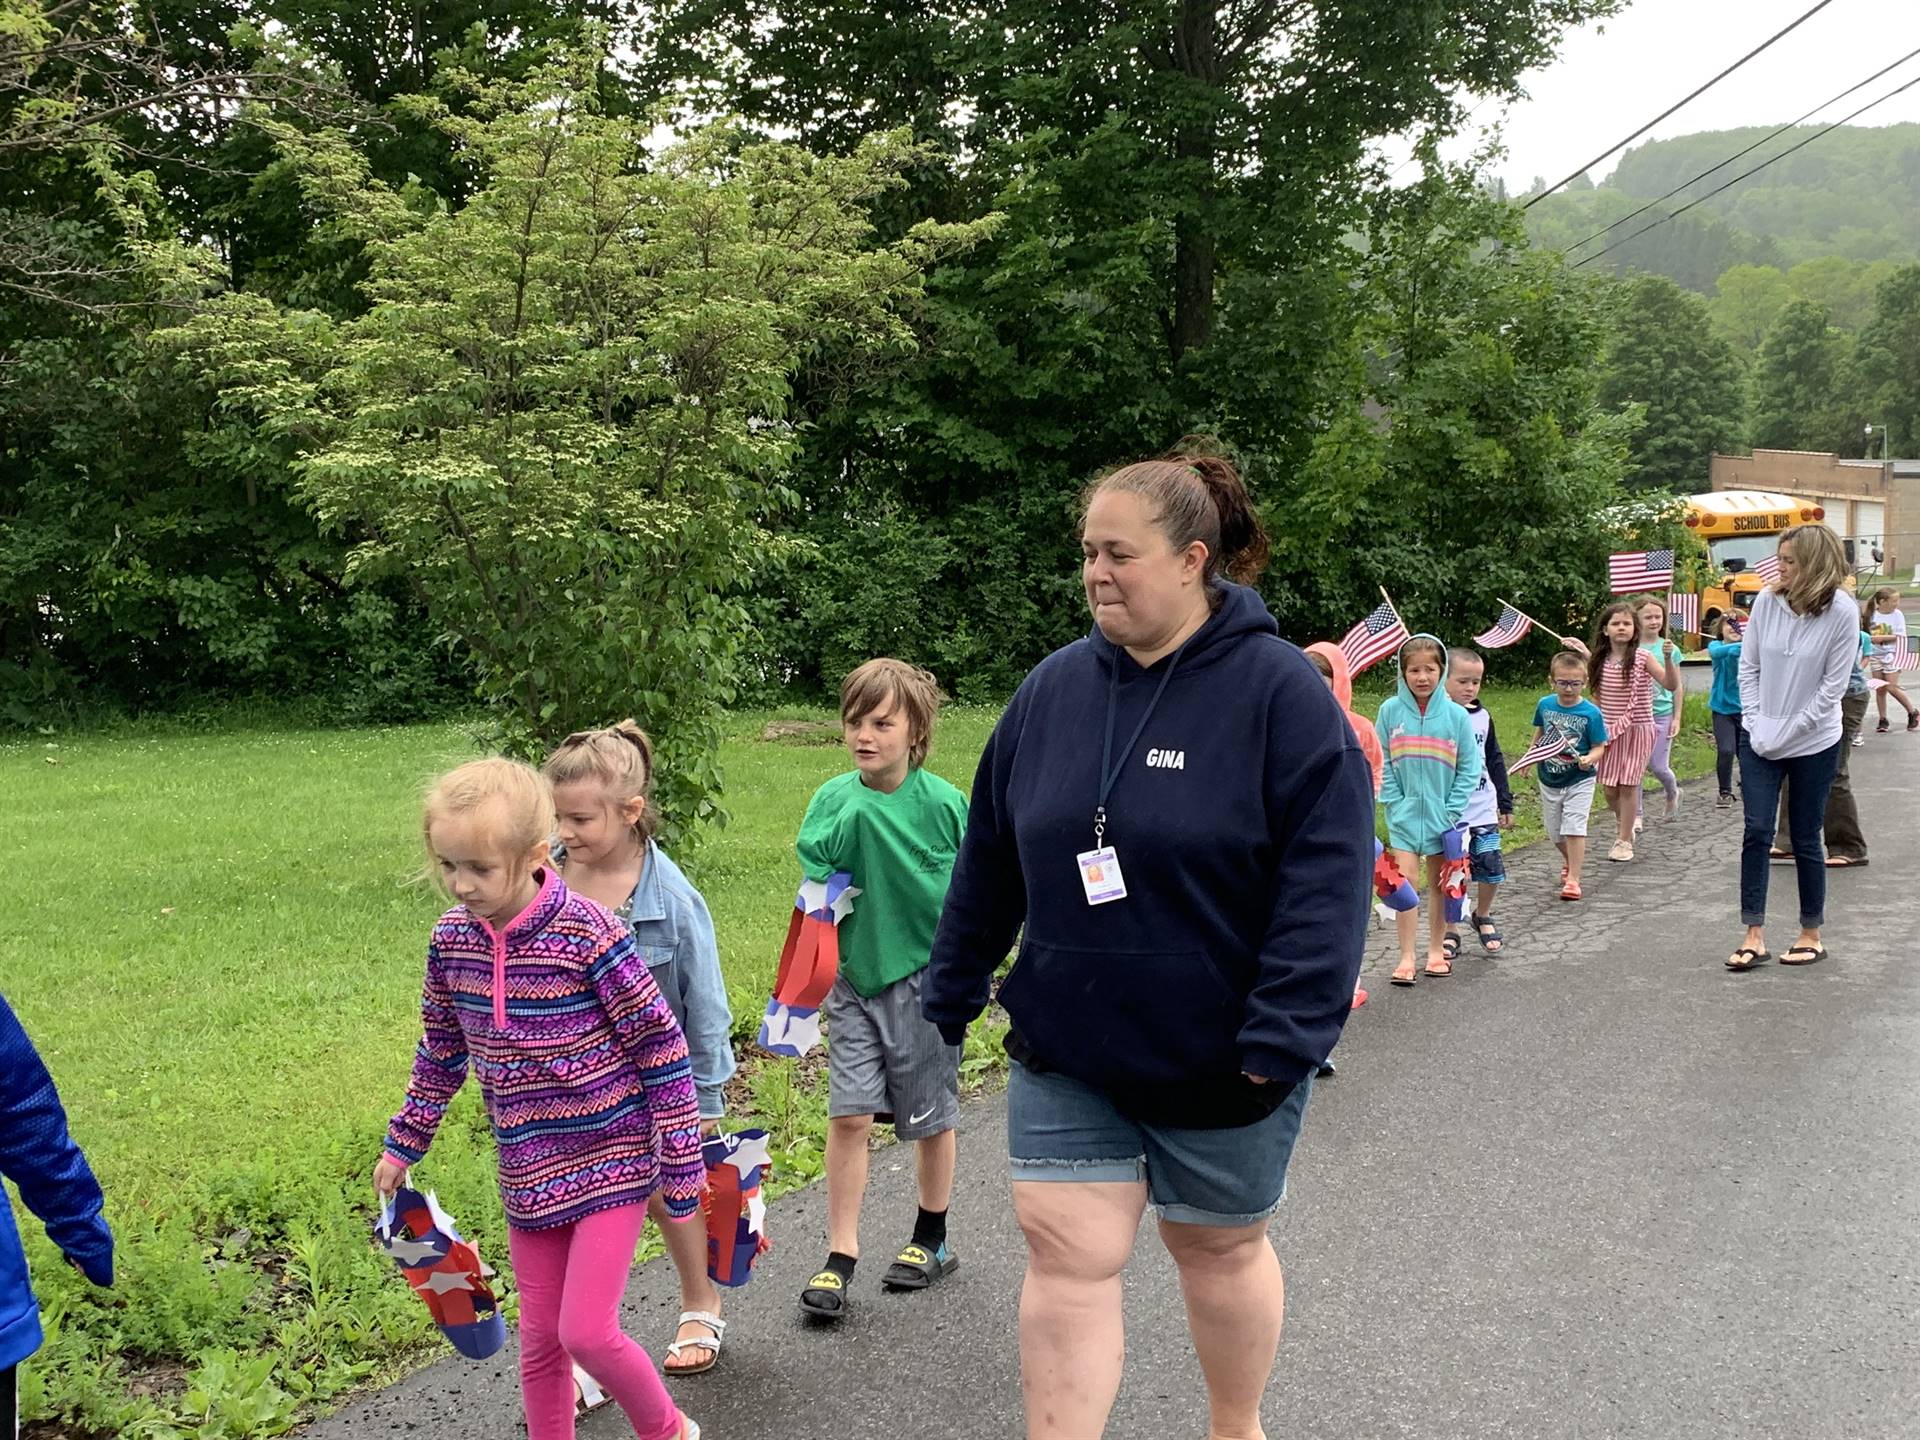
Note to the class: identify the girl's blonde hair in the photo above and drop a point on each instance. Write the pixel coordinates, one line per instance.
(517, 797)
(1641, 602)
(1820, 569)
(619, 757)
(1885, 592)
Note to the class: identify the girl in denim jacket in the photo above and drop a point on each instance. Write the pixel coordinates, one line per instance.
(602, 782)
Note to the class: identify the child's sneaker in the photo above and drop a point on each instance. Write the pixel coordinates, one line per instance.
(1882, 728)
(1913, 719)
(1569, 888)
(1726, 796)
(916, 1267)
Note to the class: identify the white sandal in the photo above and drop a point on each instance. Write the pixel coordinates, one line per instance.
(587, 1394)
(701, 1342)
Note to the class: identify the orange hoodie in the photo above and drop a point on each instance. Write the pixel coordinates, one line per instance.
(1363, 730)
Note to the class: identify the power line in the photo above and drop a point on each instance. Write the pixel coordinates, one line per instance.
(1612, 149)
(1636, 214)
(1827, 130)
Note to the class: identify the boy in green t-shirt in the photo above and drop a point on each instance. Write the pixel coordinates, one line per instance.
(895, 829)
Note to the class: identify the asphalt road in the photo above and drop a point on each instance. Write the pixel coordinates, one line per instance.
(1597, 1187)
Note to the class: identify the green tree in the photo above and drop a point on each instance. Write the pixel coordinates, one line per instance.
(1889, 359)
(1666, 358)
(1746, 300)
(565, 416)
(1796, 382)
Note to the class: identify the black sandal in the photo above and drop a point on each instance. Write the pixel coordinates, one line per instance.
(1450, 947)
(1754, 957)
(1491, 940)
(825, 1296)
(916, 1267)
(1813, 953)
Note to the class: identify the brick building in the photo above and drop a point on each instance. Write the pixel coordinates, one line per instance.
(1870, 502)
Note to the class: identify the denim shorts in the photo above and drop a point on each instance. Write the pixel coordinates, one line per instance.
(1484, 859)
(1061, 1129)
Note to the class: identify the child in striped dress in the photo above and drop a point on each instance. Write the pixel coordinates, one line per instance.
(1622, 677)
(588, 1084)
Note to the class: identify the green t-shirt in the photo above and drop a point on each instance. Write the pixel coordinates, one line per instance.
(1656, 654)
(899, 848)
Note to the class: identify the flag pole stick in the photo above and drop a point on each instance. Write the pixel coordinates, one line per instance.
(1391, 606)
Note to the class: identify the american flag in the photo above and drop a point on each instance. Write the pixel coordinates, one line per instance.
(1374, 638)
(1768, 569)
(1686, 614)
(1510, 628)
(1640, 570)
(1549, 747)
(1902, 658)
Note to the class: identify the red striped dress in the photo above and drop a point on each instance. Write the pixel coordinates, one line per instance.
(1626, 700)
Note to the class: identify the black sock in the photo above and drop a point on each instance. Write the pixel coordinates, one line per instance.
(930, 1229)
(841, 1265)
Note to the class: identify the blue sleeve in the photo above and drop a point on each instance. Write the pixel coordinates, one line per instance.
(1596, 725)
(1539, 709)
(703, 1000)
(1497, 771)
(986, 897)
(40, 1157)
(1320, 810)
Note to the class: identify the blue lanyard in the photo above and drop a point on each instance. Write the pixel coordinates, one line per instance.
(1109, 767)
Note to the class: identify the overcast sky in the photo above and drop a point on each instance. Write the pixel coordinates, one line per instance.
(1612, 77)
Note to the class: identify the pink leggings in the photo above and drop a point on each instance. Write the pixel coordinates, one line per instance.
(1661, 764)
(571, 1279)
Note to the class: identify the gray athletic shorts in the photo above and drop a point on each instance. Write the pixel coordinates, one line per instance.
(886, 1060)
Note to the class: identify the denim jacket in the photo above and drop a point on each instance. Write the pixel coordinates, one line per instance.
(672, 928)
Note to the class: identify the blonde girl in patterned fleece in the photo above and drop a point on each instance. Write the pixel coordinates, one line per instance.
(587, 1082)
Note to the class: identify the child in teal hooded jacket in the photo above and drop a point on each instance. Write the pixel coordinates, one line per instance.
(1433, 768)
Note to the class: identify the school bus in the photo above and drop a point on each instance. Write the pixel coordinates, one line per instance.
(1741, 528)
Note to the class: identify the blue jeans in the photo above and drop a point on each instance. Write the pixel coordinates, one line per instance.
(1760, 782)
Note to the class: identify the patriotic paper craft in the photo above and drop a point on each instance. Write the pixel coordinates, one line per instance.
(1551, 747)
(1768, 569)
(1509, 629)
(1454, 872)
(1640, 570)
(1686, 614)
(1388, 883)
(809, 961)
(1374, 638)
(445, 1271)
(736, 1215)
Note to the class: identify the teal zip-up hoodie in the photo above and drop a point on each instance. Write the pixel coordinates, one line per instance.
(1433, 765)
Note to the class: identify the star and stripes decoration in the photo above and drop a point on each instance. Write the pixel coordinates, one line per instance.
(1768, 569)
(1633, 570)
(809, 962)
(736, 1215)
(1374, 638)
(1901, 658)
(1550, 747)
(1685, 614)
(1509, 629)
(445, 1271)
(1454, 872)
(1390, 887)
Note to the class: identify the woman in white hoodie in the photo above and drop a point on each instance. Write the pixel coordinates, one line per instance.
(1798, 653)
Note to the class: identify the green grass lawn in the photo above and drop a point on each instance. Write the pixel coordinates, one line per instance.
(217, 943)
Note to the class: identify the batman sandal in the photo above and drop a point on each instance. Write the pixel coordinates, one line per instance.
(825, 1297)
(916, 1267)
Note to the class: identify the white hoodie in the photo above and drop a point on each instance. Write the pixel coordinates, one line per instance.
(1793, 671)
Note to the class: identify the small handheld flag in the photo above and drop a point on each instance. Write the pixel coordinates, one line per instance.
(809, 963)
(1767, 567)
(1640, 570)
(1902, 657)
(445, 1271)
(1509, 629)
(1551, 747)
(1373, 639)
(1685, 613)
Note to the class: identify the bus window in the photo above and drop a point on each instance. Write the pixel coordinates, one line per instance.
(1741, 552)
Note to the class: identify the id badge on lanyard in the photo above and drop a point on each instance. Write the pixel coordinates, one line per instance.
(1100, 873)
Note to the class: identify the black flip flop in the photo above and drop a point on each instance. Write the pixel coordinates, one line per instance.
(1814, 954)
(825, 1296)
(1845, 862)
(1406, 983)
(1754, 957)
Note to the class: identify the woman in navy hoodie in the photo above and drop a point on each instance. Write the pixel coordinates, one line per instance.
(1176, 810)
(38, 1155)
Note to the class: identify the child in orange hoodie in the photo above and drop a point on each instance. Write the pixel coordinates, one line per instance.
(1331, 661)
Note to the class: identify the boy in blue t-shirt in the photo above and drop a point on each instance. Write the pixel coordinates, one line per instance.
(1567, 782)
